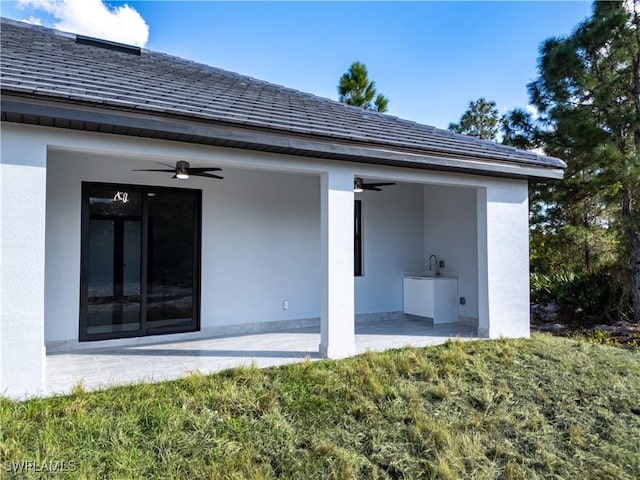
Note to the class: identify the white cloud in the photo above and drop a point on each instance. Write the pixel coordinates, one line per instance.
(631, 6)
(533, 111)
(95, 19)
(32, 20)
(39, 4)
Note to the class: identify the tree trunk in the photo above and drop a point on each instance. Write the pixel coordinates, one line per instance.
(632, 232)
(635, 276)
(629, 209)
(585, 242)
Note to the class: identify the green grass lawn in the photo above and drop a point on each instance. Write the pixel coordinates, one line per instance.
(541, 408)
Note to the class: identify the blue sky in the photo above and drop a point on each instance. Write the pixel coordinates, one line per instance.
(429, 58)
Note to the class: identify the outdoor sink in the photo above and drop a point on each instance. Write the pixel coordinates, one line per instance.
(428, 274)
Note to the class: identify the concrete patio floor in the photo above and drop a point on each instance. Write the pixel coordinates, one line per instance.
(167, 361)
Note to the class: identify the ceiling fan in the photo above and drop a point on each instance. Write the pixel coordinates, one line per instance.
(359, 185)
(182, 170)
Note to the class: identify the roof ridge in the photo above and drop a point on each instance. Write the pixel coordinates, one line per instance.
(41, 28)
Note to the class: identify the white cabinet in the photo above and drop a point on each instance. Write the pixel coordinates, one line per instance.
(432, 297)
(411, 296)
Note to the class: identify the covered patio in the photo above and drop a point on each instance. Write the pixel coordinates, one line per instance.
(98, 368)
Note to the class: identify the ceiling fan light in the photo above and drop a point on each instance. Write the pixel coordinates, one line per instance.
(182, 169)
(357, 185)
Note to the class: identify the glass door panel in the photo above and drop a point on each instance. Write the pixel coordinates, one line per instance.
(131, 252)
(113, 262)
(170, 259)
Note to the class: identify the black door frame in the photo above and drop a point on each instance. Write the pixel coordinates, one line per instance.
(145, 329)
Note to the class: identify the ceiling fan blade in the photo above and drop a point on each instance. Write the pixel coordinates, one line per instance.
(371, 187)
(203, 169)
(208, 175)
(378, 184)
(167, 165)
(153, 170)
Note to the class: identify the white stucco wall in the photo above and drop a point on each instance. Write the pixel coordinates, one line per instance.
(503, 258)
(260, 246)
(392, 227)
(450, 232)
(22, 253)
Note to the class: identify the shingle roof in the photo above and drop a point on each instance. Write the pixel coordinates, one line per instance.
(45, 64)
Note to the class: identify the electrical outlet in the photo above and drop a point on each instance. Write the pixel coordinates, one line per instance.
(285, 304)
(463, 300)
(441, 264)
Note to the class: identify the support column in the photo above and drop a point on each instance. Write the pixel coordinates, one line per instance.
(22, 245)
(483, 284)
(337, 325)
(503, 259)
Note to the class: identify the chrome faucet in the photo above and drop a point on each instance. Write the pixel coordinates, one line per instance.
(433, 261)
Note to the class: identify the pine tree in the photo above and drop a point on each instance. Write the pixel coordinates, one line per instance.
(588, 96)
(356, 89)
(481, 120)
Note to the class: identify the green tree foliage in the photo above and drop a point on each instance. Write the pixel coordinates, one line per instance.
(519, 130)
(356, 89)
(588, 96)
(481, 120)
(570, 233)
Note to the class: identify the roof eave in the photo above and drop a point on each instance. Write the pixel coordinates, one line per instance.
(71, 115)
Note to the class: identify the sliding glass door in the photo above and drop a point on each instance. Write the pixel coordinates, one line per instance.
(140, 261)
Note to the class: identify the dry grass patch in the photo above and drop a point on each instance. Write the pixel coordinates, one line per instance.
(541, 408)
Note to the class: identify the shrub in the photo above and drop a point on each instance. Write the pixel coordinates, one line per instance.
(588, 291)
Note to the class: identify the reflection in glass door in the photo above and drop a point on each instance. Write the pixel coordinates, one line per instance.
(114, 253)
(170, 267)
(140, 259)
